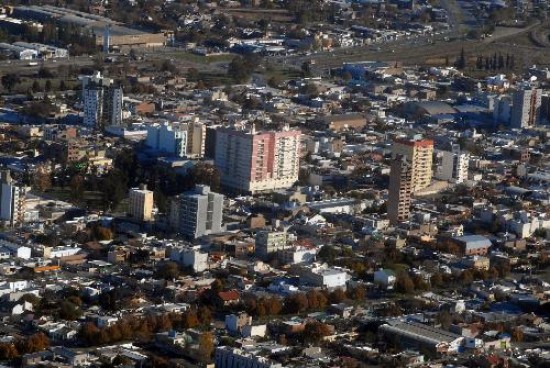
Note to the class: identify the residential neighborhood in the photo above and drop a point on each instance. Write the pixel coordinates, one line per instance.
(274, 184)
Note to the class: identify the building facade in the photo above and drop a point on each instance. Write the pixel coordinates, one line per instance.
(400, 190)
(177, 139)
(269, 242)
(190, 257)
(419, 153)
(12, 201)
(252, 162)
(526, 107)
(453, 165)
(197, 212)
(102, 101)
(141, 203)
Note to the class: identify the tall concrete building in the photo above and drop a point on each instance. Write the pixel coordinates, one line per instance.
(177, 139)
(400, 189)
(197, 212)
(141, 203)
(253, 162)
(12, 200)
(526, 107)
(419, 153)
(453, 165)
(102, 100)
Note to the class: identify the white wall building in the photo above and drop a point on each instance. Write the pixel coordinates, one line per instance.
(12, 201)
(190, 257)
(323, 276)
(228, 357)
(453, 165)
(197, 212)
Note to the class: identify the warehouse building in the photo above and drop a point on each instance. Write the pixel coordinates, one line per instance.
(419, 336)
(44, 51)
(18, 52)
(106, 31)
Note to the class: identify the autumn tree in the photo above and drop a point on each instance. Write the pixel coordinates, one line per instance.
(315, 331)
(206, 347)
(404, 283)
(204, 315)
(337, 296)
(295, 303)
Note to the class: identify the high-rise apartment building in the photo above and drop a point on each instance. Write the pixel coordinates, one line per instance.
(419, 153)
(526, 107)
(253, 162)
(141, 203)
(12, 200)
(400, 189)
(453, 165)
(197, 212)
(102, 100)
(177, 139)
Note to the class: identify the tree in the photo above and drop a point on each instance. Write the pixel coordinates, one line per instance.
(295, 303)
(239, 69)
(48, 86)
(205, 173)
(466, 277)
(69, 311)
(404, 283)
(204, 315)
(461, 64)
(168, 270)
(315, 331)
(42, 180)
(77, 187)
(206, 347)
(62, 86)
(445, 319)
(35, 86)
(190, 319)
(358, 293)
(517, 335)
(337, 296)
(10, 80)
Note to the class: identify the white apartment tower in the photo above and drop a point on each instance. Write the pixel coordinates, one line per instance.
(102, 101)
(526, 107)
(197, 212)
(252, 162)
(12, 201)
(453, 165)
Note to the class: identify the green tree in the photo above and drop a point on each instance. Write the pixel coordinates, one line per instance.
(10, 80)
(69, 311)
(168, 270)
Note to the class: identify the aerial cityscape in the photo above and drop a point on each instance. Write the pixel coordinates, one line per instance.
(275, 183)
